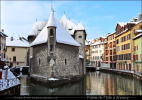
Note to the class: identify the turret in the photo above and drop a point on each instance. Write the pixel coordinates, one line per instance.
(51, 42)
(80, 36)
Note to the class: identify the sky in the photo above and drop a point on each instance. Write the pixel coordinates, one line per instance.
(98, 17)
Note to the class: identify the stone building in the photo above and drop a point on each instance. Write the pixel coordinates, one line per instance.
(17, 51)
(78, 32)
(55, 53)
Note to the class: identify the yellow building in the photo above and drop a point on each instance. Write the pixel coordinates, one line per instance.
(17, 51)
(125, 32)
(123, 46)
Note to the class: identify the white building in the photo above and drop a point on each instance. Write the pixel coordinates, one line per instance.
(97, 51)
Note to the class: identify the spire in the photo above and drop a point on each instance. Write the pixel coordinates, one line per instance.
(51, 21)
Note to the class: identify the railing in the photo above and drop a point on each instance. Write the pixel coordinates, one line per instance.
(7, 83)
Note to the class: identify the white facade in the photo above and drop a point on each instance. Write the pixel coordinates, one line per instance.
(97, 51)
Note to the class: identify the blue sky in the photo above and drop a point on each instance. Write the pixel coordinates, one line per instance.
(98, 17)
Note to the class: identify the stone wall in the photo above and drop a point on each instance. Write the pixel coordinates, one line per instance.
(81, 41)
(39, 64)
(67, 60)
(80, 36)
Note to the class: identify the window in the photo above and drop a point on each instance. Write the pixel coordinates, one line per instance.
(14, 58)
(13, 49)
(51, 47)
(51, 32)
(141, 27)
(39, 61)
(65, 61)
(79, 36)
(117, 41)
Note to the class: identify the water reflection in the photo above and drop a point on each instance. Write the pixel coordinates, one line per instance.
(99, 83)
(29, 88)
(95, 83)
(24, 85)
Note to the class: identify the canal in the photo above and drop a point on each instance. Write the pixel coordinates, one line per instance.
(95, 83)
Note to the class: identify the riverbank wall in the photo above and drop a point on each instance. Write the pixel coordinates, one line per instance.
(123, 72)
(56, 83)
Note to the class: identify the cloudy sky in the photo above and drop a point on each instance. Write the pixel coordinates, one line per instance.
(98, 17)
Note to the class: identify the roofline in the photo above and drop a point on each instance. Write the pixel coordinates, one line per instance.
(4, 34)
(122, 33)
(51, 26)
(56, 42)
(17, 46)
(111, 34)
(137, 36)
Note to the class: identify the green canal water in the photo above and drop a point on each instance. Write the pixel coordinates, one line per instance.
(95, 83)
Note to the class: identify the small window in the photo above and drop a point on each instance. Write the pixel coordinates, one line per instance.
(14, 58)
(65, 61)
(51, 47)
(39, 61)
(141, 27)
(51, 32)
(79, 36)
(13, 49)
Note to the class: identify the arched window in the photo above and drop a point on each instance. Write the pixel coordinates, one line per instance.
(51, 32)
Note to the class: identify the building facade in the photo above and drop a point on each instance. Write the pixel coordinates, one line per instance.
(88, 52)
(97, 51)
(125, 32)
(17, 51)
(137, 55)
(137, 47)
(55, 53)
(110, 51)
(2, 47)
(123, 46)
